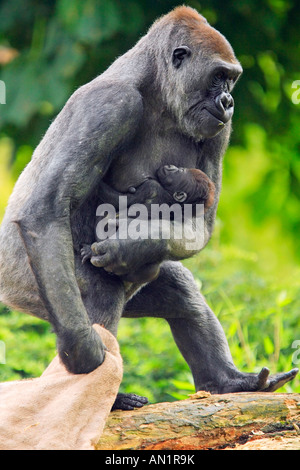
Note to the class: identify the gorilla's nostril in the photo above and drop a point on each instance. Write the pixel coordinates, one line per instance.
(224, 101)
(227, 101)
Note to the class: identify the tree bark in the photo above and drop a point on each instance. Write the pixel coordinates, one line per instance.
(208, 422)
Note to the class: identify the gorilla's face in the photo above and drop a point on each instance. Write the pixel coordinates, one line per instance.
(211, 106)
(201, 84)
(188, 185)
(177, 181)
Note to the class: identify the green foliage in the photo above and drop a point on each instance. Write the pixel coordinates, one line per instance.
(249, 272)
(29, 345)
(258, 208)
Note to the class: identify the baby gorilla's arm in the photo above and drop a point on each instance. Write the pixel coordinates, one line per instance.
(150, 191)
(171, 183)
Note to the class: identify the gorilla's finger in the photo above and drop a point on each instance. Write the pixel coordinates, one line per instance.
(278, 380)
(101, 261)
(262, 378)
(99, 248)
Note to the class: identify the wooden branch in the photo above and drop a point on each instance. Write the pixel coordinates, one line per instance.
(212, 422)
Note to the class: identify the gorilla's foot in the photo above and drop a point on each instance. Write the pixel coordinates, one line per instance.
(262, 382)
(128, 401)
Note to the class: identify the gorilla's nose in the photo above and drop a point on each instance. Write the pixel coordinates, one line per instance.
(224, 104)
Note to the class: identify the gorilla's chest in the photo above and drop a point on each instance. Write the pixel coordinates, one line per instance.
(150, 149)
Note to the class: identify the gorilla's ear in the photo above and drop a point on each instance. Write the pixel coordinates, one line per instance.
(179, 54)
(180, 196)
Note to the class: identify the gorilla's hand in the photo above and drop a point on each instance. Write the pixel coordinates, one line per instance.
(126, 256)
(261, 382)
(81, 350)
(86, 253)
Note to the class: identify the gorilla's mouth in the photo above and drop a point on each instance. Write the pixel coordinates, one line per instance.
(211, 124)
(220, 122)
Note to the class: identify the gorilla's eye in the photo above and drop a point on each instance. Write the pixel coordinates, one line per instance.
(219, 77)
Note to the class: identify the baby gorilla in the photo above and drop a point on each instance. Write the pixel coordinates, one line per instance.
(173, 185)
(182, 185)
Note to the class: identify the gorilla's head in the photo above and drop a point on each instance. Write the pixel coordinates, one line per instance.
(197, 71)
(187, 185)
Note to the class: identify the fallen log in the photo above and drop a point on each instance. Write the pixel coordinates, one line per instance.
(207, 422)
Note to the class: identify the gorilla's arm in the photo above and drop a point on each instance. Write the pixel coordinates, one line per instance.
(211, 163)
(147, 193)
(211, 152)
(95, 125)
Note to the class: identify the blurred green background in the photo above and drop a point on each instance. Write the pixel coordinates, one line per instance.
(249, 272)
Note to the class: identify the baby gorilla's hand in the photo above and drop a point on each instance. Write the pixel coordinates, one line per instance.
(86, 253)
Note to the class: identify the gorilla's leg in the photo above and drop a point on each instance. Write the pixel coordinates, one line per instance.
(197, 332)
(103, 295)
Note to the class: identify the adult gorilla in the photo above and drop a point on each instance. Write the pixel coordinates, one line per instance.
(166, 101)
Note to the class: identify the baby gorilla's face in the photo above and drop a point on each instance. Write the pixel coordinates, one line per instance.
(175, 180)
(188, 185)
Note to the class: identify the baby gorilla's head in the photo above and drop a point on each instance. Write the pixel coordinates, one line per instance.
(187, 185)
